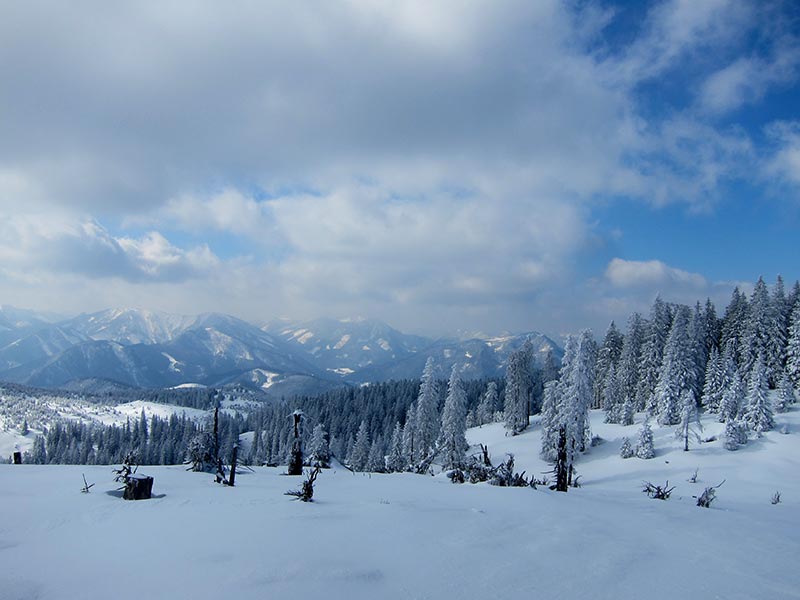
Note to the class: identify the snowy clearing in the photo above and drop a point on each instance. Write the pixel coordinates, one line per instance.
(409, 536)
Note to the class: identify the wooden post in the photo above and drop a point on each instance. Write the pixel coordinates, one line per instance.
(17, 458)
(561, 462)
(233, 465)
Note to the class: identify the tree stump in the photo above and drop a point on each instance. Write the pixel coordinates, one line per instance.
(17, 458)
(138, 487)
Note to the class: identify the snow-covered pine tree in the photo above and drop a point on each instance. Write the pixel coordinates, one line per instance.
(612, 396)
(645, 449)
(780, 311)
(487, 407)
(734, 322)
(733, 397)
(319, 454)
(628, 370)
(735, 434)
(409, 434)
(758, 412)
(518, 389)
(427, 417)
(793, 346)
(376, 462)
(359, 456)
(549, 368)
(550, 421)
(608, 355)
(714, 382)
(759, 326)
(677, 371)
(578, 396)
(626, 450)
(690, 422)
(786, 395)
(712, 326)
(452, 441)
(627, 412)
(697, 348)
(653, 354)
(396, 461)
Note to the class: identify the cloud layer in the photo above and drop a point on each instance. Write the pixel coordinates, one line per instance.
(432, 164)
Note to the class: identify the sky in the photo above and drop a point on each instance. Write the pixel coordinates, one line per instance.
(477, 166)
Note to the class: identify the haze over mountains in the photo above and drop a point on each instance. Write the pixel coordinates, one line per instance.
(140, 348)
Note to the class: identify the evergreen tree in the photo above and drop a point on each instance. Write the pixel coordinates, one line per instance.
(487, 407)
(427, 417)
(410, 450)
(786, 394)
(645, 449)
(518, 389)
(453, 442)
(735, 434)
(376, 462)
(714, 382)
(319, 454)
(732, 399)
(626, 450)
(607, 356)
(549, 368)
(793, 347)
(627, 412)
(690, 422)
(359, 456)
(630, 357)
(758, 413)
(653, 355)
(677, 371)
(550, 421)
(780, 312)
(758, 329)
(578, 397)
(734, 322)
(612, 396)
(396, 460)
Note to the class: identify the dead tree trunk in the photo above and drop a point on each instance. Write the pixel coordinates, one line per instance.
(233, 465)
(562, 472)
(17, 458)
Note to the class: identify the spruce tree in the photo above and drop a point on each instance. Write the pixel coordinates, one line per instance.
(359, 456)
(714, 382)
(758, 413)
(410, 450)
(487, 407)
(677, 372)
(427, 417)
(550, 421)
(758, 329)
(518, 389)
(630, 357)
(453, 442)
(645, 449)
(653, 354)
(607, 356)
(733, 397)
(793, 347)
(690, 422)
(786, 395)
(318, 451)
(396, 461)
(626, 450)
(612, 396)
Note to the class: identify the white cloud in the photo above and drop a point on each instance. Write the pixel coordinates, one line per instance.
(652, 273)
(784, 164)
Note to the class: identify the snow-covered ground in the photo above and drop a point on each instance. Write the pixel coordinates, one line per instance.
(413, 537)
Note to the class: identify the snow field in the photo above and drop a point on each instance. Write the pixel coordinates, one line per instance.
(417, 537)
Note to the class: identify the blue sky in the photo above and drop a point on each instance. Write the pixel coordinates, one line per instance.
(504, 165)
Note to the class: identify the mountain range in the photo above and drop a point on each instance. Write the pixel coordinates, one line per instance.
(147, 349)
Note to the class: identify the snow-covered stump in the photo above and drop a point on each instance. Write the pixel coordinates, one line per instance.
(138, 487)
(17, 458)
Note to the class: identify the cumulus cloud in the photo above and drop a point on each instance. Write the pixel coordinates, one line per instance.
(46, 245)
(784, 164)
(632, 273)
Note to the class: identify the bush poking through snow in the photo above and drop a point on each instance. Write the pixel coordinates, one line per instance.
(657, 492)
(306, 491)
(776, 498)
(708, 495)
(693, 478)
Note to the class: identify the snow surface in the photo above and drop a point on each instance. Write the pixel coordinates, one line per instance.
(408, 536)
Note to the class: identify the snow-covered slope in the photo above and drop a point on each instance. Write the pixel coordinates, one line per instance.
(130, 326)
(406, 536)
